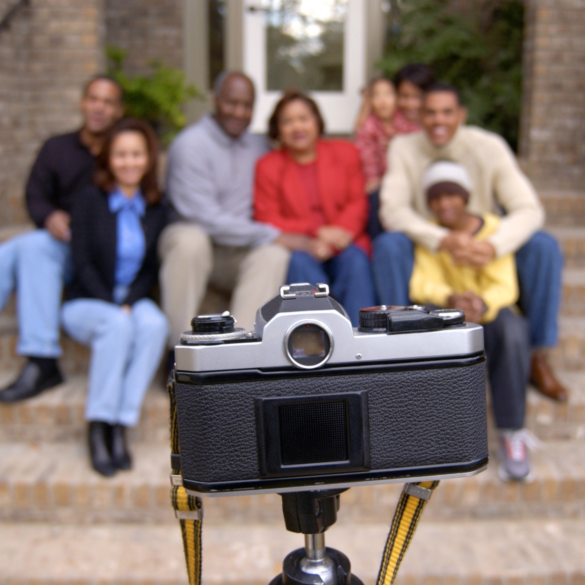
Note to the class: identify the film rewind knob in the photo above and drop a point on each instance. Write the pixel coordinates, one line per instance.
(219, 323)
(210, 329)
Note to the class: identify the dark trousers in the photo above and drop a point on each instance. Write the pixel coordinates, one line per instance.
(374, 226)
(539, 263)
(348, 273)
(507, 348)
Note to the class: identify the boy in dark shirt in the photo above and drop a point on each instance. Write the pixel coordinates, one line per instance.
(36, 264)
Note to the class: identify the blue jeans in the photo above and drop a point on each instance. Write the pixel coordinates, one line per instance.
(35, 265)
(539, 263)
(126, 349)
(349, 275)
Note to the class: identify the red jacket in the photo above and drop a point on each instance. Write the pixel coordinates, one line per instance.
(280, 199)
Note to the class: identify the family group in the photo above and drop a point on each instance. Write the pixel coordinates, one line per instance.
(418, 208)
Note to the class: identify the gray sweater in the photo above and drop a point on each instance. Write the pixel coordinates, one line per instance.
(210, 182)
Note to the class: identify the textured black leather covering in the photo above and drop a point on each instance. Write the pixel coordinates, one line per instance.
(418, 418)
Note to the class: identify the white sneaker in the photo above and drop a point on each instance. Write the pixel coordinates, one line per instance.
(513, 455)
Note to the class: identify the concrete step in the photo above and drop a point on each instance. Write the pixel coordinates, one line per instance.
(54, 483)
(453, 553)
(57, 415)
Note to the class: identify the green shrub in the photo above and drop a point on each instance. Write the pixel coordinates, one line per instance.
(479, 53)
(158, 97)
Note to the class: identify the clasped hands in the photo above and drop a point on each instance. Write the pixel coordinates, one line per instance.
(466, 251)
(329, 240)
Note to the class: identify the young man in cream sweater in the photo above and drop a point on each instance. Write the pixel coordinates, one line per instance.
(488, 296)
(498, 185)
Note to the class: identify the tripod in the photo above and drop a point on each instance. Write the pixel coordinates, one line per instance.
(312, 513)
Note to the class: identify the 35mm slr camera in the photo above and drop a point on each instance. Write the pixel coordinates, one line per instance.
(305, 402)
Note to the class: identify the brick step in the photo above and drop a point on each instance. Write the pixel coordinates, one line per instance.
(11, 231)
(573, 301)
(564, 207)
(57, 415)
(54, 483)
(75, 358)
(453, 553)
(570, 353)
(550, 420)
(572, 241)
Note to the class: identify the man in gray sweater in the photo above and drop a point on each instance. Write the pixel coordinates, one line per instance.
(213, 239)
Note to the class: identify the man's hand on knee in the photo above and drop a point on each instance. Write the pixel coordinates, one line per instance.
(57, 224)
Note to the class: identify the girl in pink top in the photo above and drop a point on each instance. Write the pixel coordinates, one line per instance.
(379, 127)
(390, 108)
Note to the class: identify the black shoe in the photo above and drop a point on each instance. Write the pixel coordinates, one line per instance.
(98, 438)
(31, 382)
(120, 456)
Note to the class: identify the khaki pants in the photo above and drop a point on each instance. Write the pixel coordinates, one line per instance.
(190, 260)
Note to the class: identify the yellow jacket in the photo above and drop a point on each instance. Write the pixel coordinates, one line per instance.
(435, 276)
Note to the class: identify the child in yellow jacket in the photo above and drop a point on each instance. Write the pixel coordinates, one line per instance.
(488, 296)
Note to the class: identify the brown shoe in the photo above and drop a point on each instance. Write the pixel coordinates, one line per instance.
(543, 379)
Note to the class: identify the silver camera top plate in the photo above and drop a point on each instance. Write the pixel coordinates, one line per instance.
(350, 345)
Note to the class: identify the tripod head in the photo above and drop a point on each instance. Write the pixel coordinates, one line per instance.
(312, 513)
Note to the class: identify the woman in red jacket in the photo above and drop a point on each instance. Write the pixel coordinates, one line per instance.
(313, 190)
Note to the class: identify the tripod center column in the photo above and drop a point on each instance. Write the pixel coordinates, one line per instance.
(315, 546)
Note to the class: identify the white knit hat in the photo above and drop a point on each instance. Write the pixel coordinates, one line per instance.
(446, 177)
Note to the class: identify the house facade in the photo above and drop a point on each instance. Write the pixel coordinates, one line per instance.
(48, 48)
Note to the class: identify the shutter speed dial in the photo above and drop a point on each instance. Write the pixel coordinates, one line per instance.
(392, 319)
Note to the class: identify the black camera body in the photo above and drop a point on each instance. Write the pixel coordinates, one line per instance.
(308, 403)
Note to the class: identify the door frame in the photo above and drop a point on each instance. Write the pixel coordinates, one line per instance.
(338, 108)
(196, 55)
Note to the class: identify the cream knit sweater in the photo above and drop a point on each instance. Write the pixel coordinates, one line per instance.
(498, 183)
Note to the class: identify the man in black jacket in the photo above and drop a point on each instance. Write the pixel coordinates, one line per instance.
(36, 264)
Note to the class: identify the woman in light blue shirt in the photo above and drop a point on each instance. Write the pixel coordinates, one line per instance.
(115, 227)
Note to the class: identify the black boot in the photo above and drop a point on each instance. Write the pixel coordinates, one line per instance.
(120, 456)
(37, 375)
(99, 437)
